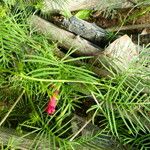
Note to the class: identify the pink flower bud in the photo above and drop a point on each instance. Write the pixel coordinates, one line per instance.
(52, 103)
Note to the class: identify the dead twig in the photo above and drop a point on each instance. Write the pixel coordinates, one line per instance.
(129, 27)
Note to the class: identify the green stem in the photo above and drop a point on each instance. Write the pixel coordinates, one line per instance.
(6, 116)
(56, 81)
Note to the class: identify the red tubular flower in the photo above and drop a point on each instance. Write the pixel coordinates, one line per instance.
(52, 103)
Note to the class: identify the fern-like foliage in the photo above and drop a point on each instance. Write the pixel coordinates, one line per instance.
(120, 113)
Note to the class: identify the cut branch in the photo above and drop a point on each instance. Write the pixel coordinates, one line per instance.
(117, 57)
(73, 5)
(64, 38)
(18, 142)
(129, 27)
(89, 31)
(28, 142)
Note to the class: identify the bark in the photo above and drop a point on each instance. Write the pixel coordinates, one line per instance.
(107, 142)
(101, 141)
(73, 5)
(89, 31)
(117, 57)
(129, 27)
(64, 38)
(17, 142)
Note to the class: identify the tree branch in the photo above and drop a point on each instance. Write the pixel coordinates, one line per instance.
(64, 38)
(73, 5)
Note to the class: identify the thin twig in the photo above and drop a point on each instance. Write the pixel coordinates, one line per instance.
(129, 27)
(3, 120)
(80, 130)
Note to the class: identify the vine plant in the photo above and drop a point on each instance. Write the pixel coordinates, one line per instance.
(40, 93)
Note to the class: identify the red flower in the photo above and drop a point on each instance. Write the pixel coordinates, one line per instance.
(52, 103)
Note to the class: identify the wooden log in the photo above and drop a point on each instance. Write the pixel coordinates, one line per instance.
(64, 38)
(118, 55)
(116, 58)
(73, 5)
(101, 141)
(89, 31)
(128, 27)
(24, 143)
(18, 142)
